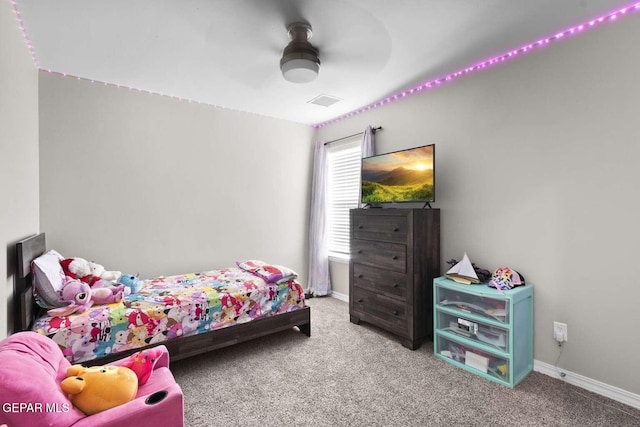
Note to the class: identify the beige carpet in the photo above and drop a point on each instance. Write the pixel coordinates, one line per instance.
(357, 375)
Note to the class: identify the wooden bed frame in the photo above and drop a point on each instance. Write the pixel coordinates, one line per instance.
(26, 311)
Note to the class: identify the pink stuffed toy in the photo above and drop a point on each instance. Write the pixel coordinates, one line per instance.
(77, 294)
(142, 363)
(80, 297)
(105, 293)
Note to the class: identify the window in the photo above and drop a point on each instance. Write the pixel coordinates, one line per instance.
(343, 186)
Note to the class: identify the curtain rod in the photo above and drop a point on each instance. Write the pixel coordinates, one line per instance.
(351, 136)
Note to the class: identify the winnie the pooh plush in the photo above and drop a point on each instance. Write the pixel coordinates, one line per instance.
(99, 388)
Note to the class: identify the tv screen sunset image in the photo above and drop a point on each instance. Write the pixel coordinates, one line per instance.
(402, 176)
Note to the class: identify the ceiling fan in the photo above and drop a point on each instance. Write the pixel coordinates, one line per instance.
(300, 62)
(295, 38)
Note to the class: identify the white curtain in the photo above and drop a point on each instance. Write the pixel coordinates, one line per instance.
(318, 282)
(368, 149)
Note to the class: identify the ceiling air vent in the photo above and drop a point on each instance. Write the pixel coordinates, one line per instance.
(324, 100)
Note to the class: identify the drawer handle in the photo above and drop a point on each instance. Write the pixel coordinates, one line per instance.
(395, 312)
(395, 285)
(394, 257)
(359, 251)
(360, 276)
(360, 300)
(360, 227)
(396, 229)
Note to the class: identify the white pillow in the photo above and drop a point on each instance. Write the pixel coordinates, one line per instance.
(48, 277)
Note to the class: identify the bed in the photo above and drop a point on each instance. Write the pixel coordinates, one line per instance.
(189, 313)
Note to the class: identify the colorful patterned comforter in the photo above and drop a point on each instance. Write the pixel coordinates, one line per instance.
(168, 308)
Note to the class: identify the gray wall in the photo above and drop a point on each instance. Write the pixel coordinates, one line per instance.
(537, 169)
(145, 183)
(18, 153)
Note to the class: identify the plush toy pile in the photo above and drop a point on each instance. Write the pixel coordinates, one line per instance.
(87, 283)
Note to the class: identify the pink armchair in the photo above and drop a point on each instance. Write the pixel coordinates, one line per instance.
(31, 368)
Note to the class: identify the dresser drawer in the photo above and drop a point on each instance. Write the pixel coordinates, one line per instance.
(388, 228)
(490, 304)
(389, 311)
(475, 330)
(474, 360)
(390, 256)
(379, 280)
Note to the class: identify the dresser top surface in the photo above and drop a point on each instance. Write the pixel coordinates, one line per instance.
(389, 211)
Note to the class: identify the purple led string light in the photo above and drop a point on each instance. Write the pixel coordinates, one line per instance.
(37, 64)
(24, 34)
(611, 16)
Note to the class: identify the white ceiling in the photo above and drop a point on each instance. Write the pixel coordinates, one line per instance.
(226, 53)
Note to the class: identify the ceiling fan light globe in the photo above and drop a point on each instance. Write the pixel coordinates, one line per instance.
(300, 70)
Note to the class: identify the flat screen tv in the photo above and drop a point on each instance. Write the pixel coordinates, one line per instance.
(398, 177)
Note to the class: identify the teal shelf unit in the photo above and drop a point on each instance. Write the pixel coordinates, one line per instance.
(483, 330)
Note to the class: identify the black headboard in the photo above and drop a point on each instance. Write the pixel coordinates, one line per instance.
(25, 308)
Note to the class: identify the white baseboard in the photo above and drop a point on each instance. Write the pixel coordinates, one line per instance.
(578, 380)
(341, 297)
(589, 384)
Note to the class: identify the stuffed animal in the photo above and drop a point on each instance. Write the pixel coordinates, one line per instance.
(87, 271)
(131, 282)
(106, 293)
(143, 362)
(77, 296)
(99, 388)
(99, 270)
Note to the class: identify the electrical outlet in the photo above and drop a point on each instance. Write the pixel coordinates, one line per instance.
(560, 332)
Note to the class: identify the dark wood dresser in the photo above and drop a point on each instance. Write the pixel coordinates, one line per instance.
(395, 255)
